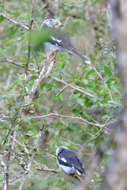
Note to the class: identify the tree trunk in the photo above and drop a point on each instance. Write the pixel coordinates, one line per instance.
(116, 174)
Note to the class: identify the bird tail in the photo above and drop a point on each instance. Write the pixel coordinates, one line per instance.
(81, 172)
(83, 57)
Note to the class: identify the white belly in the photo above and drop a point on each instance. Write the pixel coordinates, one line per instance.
(67, 170)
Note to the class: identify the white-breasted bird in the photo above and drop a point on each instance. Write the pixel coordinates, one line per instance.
(69, 162)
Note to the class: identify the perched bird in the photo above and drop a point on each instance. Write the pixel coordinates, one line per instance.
(69, 162)
(57, 41)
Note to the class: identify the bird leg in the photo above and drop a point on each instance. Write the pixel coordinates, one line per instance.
(52, 56)
(75, 176)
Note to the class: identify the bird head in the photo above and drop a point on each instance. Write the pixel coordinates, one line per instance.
(59, 149)
(52, 23)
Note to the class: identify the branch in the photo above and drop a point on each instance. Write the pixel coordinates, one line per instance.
(45, 169)
(77, 88)
(26, 172)
(14, 22)
(43, 74)
(30, 28)
(12, 62)
(6, 175)
(76, 118)
(28, 168)
(105, 84)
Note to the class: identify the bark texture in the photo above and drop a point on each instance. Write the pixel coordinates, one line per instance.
(116, 174)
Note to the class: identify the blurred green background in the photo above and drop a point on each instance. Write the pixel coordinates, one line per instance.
(89, 118)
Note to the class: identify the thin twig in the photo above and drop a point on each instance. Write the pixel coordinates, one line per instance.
(10, 132)
(27, 172)
(5, 180)
(61, 90)
(13, 62)
(14, 22)
(6, 166)
(74, 87)
(105, 84)
(29, 163)
(23, 146)
(30, 28)
(48, 170)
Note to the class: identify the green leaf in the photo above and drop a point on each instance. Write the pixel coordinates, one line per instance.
(107, 71)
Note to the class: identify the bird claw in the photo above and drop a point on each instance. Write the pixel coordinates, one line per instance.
(52, 58)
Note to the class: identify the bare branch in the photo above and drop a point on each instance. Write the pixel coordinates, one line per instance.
(77, 88)
(6, 166)
(61, 90)
(45, 169)
(26, 172)
(43, 74)
(76, 118)
(30, 28)
(28, 169)
(14, 22)
(6, 177)
(12, 62)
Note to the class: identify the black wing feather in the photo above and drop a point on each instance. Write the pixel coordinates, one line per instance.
(72, 160)
(65, 43)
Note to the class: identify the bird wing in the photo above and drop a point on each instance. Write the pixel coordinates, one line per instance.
(76, 162)
(64, 161)
(70, 159)
(59, 38)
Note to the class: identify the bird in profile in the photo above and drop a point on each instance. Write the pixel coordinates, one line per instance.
(59, 41)
(55, 40)
(69, 162)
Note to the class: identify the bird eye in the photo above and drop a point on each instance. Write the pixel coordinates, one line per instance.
(56, 25)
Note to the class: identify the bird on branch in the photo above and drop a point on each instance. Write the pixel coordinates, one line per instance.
(54, 40)
(69, 162)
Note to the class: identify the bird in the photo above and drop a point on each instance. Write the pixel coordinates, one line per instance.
(69, 162)
(58, 40)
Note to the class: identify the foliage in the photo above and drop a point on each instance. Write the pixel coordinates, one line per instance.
(59, 114)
